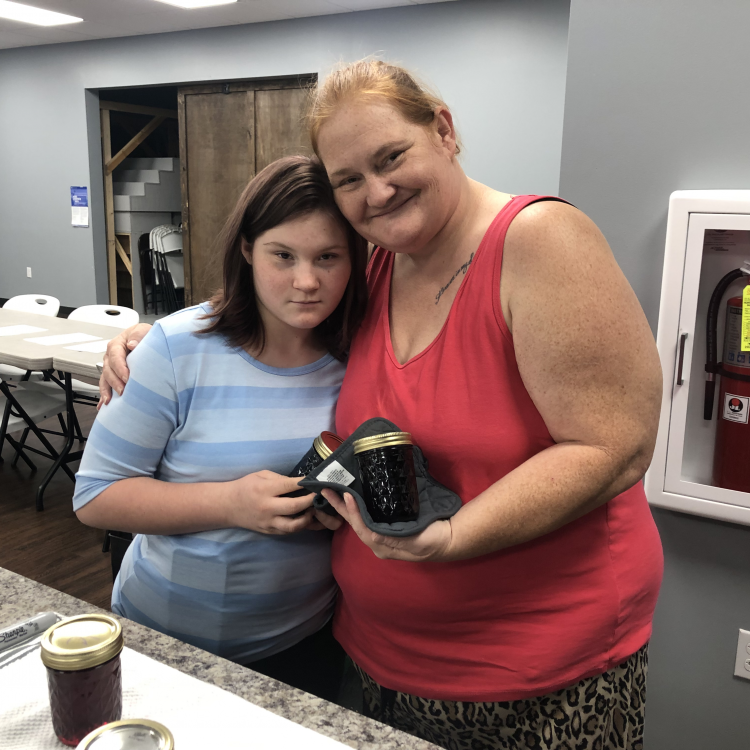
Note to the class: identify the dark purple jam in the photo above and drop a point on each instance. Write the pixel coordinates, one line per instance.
(389, 483)
(85, 699)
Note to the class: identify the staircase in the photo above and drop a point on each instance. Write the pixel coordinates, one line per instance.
(147, 194)
(147, 185)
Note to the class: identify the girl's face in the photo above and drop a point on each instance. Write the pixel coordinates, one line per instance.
(393, 180)
(300, 271)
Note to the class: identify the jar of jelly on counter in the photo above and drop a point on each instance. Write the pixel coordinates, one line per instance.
(389, 482)
(82, 656)
(322, 447)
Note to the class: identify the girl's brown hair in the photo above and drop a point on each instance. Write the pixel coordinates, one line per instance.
(370, 78)
(287, 189)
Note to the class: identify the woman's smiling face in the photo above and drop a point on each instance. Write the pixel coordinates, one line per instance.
(392, 179)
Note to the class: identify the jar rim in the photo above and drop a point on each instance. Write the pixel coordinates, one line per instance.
(321, 443)
(381, 441)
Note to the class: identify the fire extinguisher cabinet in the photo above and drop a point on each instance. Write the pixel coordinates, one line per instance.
(708, 236)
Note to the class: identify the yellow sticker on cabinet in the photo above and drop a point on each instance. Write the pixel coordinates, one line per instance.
(745, 345)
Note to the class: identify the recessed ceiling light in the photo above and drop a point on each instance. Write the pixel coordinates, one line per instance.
(38, 16)
(196, 3)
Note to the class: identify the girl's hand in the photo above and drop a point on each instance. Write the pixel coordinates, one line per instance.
(115, 372)
(255, 503)
(432, 544)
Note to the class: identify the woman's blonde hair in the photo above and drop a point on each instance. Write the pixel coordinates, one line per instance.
(372, 79)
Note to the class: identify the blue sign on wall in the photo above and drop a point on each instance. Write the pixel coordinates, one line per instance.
(79, 204)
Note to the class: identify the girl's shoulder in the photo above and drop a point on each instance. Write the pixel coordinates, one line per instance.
(176, 339)
(188, 320)
(183, 329)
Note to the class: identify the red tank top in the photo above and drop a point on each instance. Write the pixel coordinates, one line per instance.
(521, 622)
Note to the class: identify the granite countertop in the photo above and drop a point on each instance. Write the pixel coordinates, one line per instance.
(22, 598)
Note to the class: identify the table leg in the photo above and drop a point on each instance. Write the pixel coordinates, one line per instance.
(20, 448)
(59, 461)
(4, 425)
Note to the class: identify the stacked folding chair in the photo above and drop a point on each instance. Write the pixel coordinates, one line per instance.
(165, 243)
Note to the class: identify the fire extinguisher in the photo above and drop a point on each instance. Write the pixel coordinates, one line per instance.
(732, 450)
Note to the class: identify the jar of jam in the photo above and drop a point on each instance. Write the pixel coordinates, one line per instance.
(82, 656)
(322, 447)
(389, 482)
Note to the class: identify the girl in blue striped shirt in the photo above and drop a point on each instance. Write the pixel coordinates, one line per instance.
(222, 400)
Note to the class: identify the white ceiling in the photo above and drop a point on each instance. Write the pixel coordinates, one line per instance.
(103, 19)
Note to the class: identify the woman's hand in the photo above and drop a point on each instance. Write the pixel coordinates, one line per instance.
(115, 372)
(255, 503)
(324, 520)
(432, 544)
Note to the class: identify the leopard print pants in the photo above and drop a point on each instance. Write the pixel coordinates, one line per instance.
(604, 712)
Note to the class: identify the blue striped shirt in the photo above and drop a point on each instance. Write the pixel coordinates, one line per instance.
(198, 410)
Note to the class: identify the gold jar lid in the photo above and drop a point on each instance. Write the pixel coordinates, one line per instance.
(129, 734)
(81, 642)
(321, 446)
(381, 441)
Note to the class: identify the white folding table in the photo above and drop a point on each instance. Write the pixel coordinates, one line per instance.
(18, 347)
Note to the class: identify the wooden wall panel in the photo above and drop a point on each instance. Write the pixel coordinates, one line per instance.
(109, 208)
(218, 156)
(279, 128)
(228, 132)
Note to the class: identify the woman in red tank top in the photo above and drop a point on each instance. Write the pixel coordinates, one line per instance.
(502, 335)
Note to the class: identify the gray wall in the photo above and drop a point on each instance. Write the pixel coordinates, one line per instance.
(499, 64)
(658, 99)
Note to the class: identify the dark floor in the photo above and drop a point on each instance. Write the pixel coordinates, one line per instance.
(52, 547)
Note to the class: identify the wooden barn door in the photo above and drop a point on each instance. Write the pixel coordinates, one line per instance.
(229, 132)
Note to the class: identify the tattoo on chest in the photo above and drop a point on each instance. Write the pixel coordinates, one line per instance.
(462, 270)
